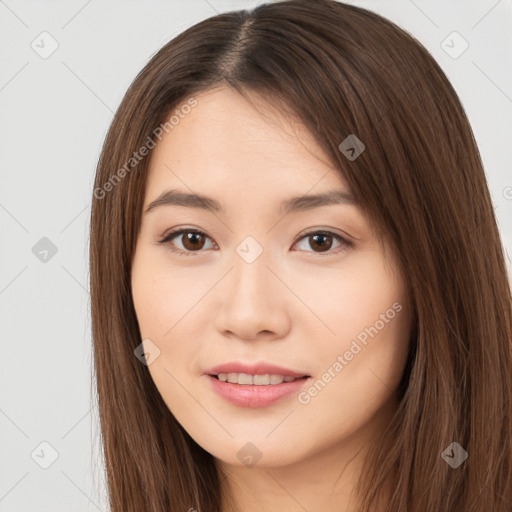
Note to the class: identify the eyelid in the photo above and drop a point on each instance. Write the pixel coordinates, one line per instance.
(171, 233)
(349, 239)
(174, 233)
(344, 240)
(345, 243)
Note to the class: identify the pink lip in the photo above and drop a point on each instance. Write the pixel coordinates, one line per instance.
(253, 395)
(254, 369)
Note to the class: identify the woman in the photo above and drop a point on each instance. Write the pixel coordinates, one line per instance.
(299, 295)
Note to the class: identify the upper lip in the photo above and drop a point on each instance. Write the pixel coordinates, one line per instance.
(261, 368)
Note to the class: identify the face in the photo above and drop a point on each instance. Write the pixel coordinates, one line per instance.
(253, 278)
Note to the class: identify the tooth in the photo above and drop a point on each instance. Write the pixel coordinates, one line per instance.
(233, 378)
(276, 379)
(257, 380)
(243, 378)
(261, 380)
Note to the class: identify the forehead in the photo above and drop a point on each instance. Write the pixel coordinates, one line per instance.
(226, 143)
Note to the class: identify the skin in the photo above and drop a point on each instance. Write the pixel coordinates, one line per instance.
(296, 305)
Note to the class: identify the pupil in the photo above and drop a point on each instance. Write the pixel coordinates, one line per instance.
(190, 239)
(323, 246)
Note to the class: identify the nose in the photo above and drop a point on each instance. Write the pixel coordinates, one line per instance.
(254, 301)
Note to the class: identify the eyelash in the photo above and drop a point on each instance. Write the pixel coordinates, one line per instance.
(345, 244)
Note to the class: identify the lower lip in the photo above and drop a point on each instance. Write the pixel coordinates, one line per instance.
(253, 395)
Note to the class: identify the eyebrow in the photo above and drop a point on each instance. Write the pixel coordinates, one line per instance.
(294, 204)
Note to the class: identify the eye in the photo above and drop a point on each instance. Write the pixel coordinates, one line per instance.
(322, 240)
(194, 241)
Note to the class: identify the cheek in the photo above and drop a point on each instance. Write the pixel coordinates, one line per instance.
(164, 306)
(159, 309)
(369, 320)
(159, 299)
(358, 378)
(362, 293)
(152, 307)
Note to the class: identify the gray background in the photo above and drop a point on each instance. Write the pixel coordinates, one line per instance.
(54, 115)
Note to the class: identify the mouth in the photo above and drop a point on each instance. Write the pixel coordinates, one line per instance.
(253, 391)
(267, 379)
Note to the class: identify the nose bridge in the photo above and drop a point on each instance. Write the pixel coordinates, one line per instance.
(250, 273)
(251, 300)
(250, 250)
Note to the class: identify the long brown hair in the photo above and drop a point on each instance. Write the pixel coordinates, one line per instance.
(342, 70)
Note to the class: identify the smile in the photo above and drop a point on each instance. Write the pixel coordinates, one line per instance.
(255, 390)
(257, 380)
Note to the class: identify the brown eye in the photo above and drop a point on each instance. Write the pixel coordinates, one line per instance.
(191, 241)
(322, 242)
